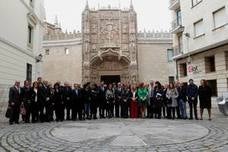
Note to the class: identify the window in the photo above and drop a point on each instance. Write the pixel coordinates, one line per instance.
(226, 59)
(29, 72)
(183, 69)
(30, 35)
(213, 85)
(219, 17)
(210, 64)
(170, 55)
(179, 21)
(180, 43)
(226, 83)
(67, 51)
(171, 79)
(47, 52)
(195, 2)
(198, 28)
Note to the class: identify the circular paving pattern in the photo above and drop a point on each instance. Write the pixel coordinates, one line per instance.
(131, 133)
(116, 135)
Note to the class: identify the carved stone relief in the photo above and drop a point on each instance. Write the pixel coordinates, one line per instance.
(109, 37)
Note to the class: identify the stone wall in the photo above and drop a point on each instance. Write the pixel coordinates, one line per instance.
(152, 56)
(59, 66)
(153, 63)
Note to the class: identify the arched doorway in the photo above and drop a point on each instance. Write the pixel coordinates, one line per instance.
(110, 68)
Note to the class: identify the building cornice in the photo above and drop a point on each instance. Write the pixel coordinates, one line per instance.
(155, 41)
(24, 51)
(200, 50)
(78, 41)
(62, 43)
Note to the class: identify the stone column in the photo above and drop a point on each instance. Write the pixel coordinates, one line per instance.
(133, 72)
(85, 73)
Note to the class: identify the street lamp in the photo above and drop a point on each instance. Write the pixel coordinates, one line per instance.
(39, 58)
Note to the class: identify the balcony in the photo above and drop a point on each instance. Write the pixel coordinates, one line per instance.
(177, 51)
(177, 26)
(174, 4)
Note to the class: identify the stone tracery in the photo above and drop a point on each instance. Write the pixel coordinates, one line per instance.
(109, 38)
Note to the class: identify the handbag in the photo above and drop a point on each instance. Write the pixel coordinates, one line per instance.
(8, 112)
(22, 110)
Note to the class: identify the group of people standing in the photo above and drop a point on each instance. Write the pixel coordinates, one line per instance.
(42, 102)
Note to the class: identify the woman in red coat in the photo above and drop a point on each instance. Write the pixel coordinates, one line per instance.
(134, 103)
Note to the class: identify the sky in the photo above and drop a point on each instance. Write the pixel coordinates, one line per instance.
(151, 14)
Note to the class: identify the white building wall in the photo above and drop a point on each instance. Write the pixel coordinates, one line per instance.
(203, 10)
(14, 51)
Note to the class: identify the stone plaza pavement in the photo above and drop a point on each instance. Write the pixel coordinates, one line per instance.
(118, 135)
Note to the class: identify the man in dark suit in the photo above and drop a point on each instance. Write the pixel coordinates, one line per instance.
(102, 100)
(26, 95)
(14, 103)
(118, 99)
(41, 95)
(77, 103)
(48, 102)
(94, 100)
(67, 94)
(192, 94)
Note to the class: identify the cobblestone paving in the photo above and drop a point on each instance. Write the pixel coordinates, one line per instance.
(66, 136)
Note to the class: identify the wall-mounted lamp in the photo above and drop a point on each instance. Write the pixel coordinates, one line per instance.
(39, 58)
(187, 35)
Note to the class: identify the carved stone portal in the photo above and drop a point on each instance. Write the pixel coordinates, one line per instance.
(110, 46)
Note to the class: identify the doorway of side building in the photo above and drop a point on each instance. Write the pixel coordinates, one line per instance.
(108, 79)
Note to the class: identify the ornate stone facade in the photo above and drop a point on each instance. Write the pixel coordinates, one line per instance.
(109, 44)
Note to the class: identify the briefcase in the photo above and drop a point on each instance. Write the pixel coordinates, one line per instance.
(8, 112)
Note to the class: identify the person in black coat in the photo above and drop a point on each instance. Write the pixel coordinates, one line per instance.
(102, 102)
(182, 99)
(26, 94)
(59, 104)
(165, 102)
(158, 99)
(205, 94)
(151, 106)
(67, 94)
(34, 101)
(77, 103)
(109, 96)
(94, 100)
(48, 102)
(118, 99)
(126, 98)
(42, 96)
(14, 103)
(192, 94)
(87, 100)
(52, 103)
